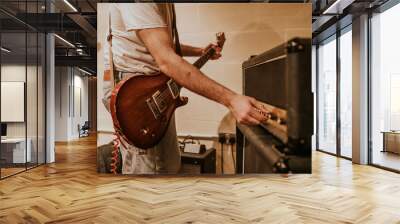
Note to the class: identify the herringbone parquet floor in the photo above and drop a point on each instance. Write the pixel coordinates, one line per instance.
(70, 191)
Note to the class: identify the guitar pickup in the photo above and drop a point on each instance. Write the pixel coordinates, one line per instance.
(159, 100)
(153, 107)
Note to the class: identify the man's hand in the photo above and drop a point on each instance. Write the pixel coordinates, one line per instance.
(217, 53)
(247, 110)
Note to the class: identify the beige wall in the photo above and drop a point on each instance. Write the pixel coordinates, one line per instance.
(250, 28)
(103, 117)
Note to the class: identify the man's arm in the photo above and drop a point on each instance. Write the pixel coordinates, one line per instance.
(158, 42)
(191, 51)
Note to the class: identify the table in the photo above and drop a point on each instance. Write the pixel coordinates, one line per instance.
(391, 141)
(13, 150)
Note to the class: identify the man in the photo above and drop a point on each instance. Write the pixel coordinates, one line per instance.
(143, 43)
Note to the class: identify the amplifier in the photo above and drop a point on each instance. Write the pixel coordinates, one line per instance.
(281, 79)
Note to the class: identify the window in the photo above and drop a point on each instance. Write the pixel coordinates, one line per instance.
(327, 96)
(385, 89)
(22, 77)
(334, 95)
(346, 92)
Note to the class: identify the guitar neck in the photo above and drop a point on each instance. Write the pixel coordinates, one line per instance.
(204, 58)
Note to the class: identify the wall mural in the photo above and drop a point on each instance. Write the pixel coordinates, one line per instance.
(204, 88)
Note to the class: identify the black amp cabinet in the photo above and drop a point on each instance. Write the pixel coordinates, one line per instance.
(281, 79)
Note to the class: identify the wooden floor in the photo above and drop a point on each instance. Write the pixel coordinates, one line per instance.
(70, 191)
(10, 171)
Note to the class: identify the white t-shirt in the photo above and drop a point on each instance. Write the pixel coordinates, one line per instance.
(129, 52)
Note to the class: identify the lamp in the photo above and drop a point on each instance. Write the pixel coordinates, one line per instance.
(64, 40)
(70, 5)
(5, 50)
(84, 71)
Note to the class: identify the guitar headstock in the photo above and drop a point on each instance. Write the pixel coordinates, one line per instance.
(220, 39)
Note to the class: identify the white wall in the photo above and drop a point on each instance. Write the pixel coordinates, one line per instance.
(12, 73)
(33, 127)
(68, 82)
(80, 103)
(249, 28)
(61, 103)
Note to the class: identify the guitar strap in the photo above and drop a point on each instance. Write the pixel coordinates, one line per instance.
(116, 140)
(110, 54)
(175, 33)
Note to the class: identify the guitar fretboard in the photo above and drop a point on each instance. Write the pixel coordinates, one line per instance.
(203, 59)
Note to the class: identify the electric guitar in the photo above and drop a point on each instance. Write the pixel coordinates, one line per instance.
(142, 106)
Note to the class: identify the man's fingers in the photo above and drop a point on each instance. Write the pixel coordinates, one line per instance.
(256, 114)
(217, 53)
(257, 104)
(217, 49)
(206, 48)
(216, 56)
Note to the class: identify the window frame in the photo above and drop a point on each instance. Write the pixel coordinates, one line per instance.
(27, 29)
(381, 9)
(333, 37)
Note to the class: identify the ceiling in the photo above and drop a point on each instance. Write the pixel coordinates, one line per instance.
(76, 22)
(332, 15)
(73, 20)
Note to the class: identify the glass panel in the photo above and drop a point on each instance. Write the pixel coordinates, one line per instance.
(313, 87)
(41, 99)
(31, 98)
(22, 89)
(346, 94)
(13, 86)
(385, 89)
(327, 96)
(32, 88)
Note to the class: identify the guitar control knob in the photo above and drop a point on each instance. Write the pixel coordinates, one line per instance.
(144, 131)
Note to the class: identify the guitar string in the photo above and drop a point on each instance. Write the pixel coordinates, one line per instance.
(163, 95)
